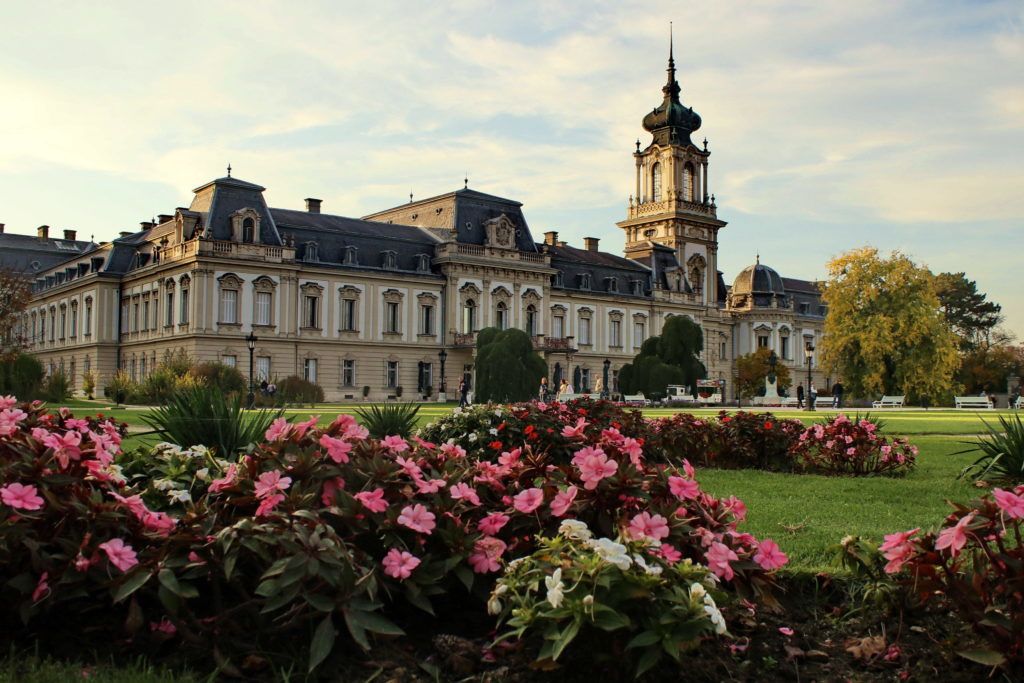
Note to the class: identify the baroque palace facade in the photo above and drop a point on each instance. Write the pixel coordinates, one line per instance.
(366, 306)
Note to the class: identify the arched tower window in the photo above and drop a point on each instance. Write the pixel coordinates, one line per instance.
(656, 182)
(248, 230)
(688, 182)
(502, 317)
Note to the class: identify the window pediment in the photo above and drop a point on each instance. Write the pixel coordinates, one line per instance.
(264, 284)
(230, 280)
(349, 292)
(311, 289)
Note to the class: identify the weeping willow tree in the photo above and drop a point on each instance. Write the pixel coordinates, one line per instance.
(507, 367)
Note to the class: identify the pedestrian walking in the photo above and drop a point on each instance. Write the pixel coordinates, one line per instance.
(837, 394)
(812, 396)
(542, 395)
(800, 396)
(463, 393)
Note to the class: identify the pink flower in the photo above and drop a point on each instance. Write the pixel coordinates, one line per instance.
(164, 626)
(645, 525)
(21, 497)
(688, 469)
(337, 449)
(303, 427)
(430, 485)
(331, 487)
(410, 467)
(486, 554)
(769, 556)
(227, 480)
(739, 510)
(683, 489)
(528, 500)
(719, 557)
(786, 631)
(1010, 503)
(576, 431)
(451, 450)
(159, 522)
(954, 537)
(373, 500)
(278, 430)
(268, 504)
(631, 447)
(395, 444)
(898, 549)
(9, 420)
(399, 564)
(271, 482)
(8, 402)
(463, 491)
(65, 447)
(343, 422)
(563, 501)
(42, 587)
(120, 554)
(492, 523)
(418, 518)
(82, 563)
(586, 452)
(595, 468)
(668, 553)
(510, 458)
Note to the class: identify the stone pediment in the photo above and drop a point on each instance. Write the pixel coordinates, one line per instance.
(501, 232)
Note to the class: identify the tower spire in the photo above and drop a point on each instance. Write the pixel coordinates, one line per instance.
(671, 60)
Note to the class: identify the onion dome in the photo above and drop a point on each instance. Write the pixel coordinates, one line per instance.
(671, 122)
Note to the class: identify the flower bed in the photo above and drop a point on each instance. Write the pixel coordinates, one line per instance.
(318, 530)
(845, 446)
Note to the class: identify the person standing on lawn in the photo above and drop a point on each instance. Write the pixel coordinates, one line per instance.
(837, 394)
(800, 396)
(812, 396)
(463, 394)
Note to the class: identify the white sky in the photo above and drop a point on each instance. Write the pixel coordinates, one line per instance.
(831, 124)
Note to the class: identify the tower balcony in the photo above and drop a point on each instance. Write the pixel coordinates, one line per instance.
(642, 209)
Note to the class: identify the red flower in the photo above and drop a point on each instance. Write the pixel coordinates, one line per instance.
(726, 419)
(496, 445)
(768, 425)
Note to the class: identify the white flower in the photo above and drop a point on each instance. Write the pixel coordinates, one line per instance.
(555, 588)
(164, 484)
(697, 592)
(199, 451)
(716, 618)
(472, 437)
(494, 606)
(514, 563)
(497, 412)
(652, 569)
(203, 474)
(179, 496)
(574, 529)
(612, 552)
(588, 600)
(493, 431)
(501, 589)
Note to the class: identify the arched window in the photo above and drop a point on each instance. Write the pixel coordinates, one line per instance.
(531, 320)
(502, 317)
(656, 182)
(469, 316)
(688, 180)
(248, 230)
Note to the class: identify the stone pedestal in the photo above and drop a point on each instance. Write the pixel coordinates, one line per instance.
(442, 397)
(771, 391)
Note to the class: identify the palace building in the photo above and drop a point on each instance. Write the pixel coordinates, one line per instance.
(368, 307)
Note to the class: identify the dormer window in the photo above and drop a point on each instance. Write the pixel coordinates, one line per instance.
(351, 256)
(612, 284)
(312, 254)
(389, 259)
(558, 280)
(248, 230)
(585, 281)
(422, 263)
(638, 287)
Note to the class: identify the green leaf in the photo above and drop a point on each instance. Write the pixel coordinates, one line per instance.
(647, 660)
(373, 621)
(169, 581)
(267, 588)
(323, 643)
(465, 575)
(565, 638)
(132, 583)
(607, 619)
(644, 639)
(357, 631)
(983, 656)
(320, 602)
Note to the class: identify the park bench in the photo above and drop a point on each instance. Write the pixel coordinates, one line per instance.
(1019, 403)
(636, 399)
(973, 402)
(789, 402)
(888, 402)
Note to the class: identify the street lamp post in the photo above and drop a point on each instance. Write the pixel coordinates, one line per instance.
(809, 352)
(251, 342)
(443, 356)
(605, 389)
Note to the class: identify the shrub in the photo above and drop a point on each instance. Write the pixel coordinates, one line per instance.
(1002, 453)
(295, 389)
(975, 565)
(56, 388)
(577, 588)
(89, 383)
(390, 419)
(121, 387)
(21, 375)
(845, 446)
(222, 377)
(204, 415)
(742, 440)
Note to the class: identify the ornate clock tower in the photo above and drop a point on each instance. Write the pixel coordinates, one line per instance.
(671, 205)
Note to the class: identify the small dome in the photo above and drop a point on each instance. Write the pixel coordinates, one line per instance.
(758, 279)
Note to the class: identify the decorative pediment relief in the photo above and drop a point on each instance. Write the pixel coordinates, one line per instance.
(470, 288)
(230, 280)
(501, 232)
(348, 292)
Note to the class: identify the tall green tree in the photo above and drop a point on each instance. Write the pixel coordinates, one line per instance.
(969, 312)
(752, 370)
(988, 367)
(884, 331)
(507, 367)
(671, 358)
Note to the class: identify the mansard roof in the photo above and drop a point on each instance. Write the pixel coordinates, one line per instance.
(218, 199)
(30, 254)
(602, 267)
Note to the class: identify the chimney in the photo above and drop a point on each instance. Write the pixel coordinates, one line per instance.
(563, 243)
(163, 218)
(312, 205)
(146, 225)
(590, 243)
(551, 238)
(1, 228)
(43, 232)
(70, 234)
(126, 233)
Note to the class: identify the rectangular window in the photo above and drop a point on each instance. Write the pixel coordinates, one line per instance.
(615, 334)
(721, 353)
(391, 318)
(183, 317)
(426, 319)
(584, 379)
(426, 377)
(228, 306)
(391, 378)
(348, 315)
(584, 330)
(639, 333)
(762, 341)
(142, 367)
(169, 313)
(348, 373)
(87, 324)
(558, 327)
(135, 317)
(262, 368)
(309, 370)
(230, 361)
(88, 364)
(784, 347)
(124, 316)
(74, 321)
(145, 314)
(311, 311)
(262, 308)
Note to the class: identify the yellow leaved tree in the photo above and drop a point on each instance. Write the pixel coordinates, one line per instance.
(884, 332)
